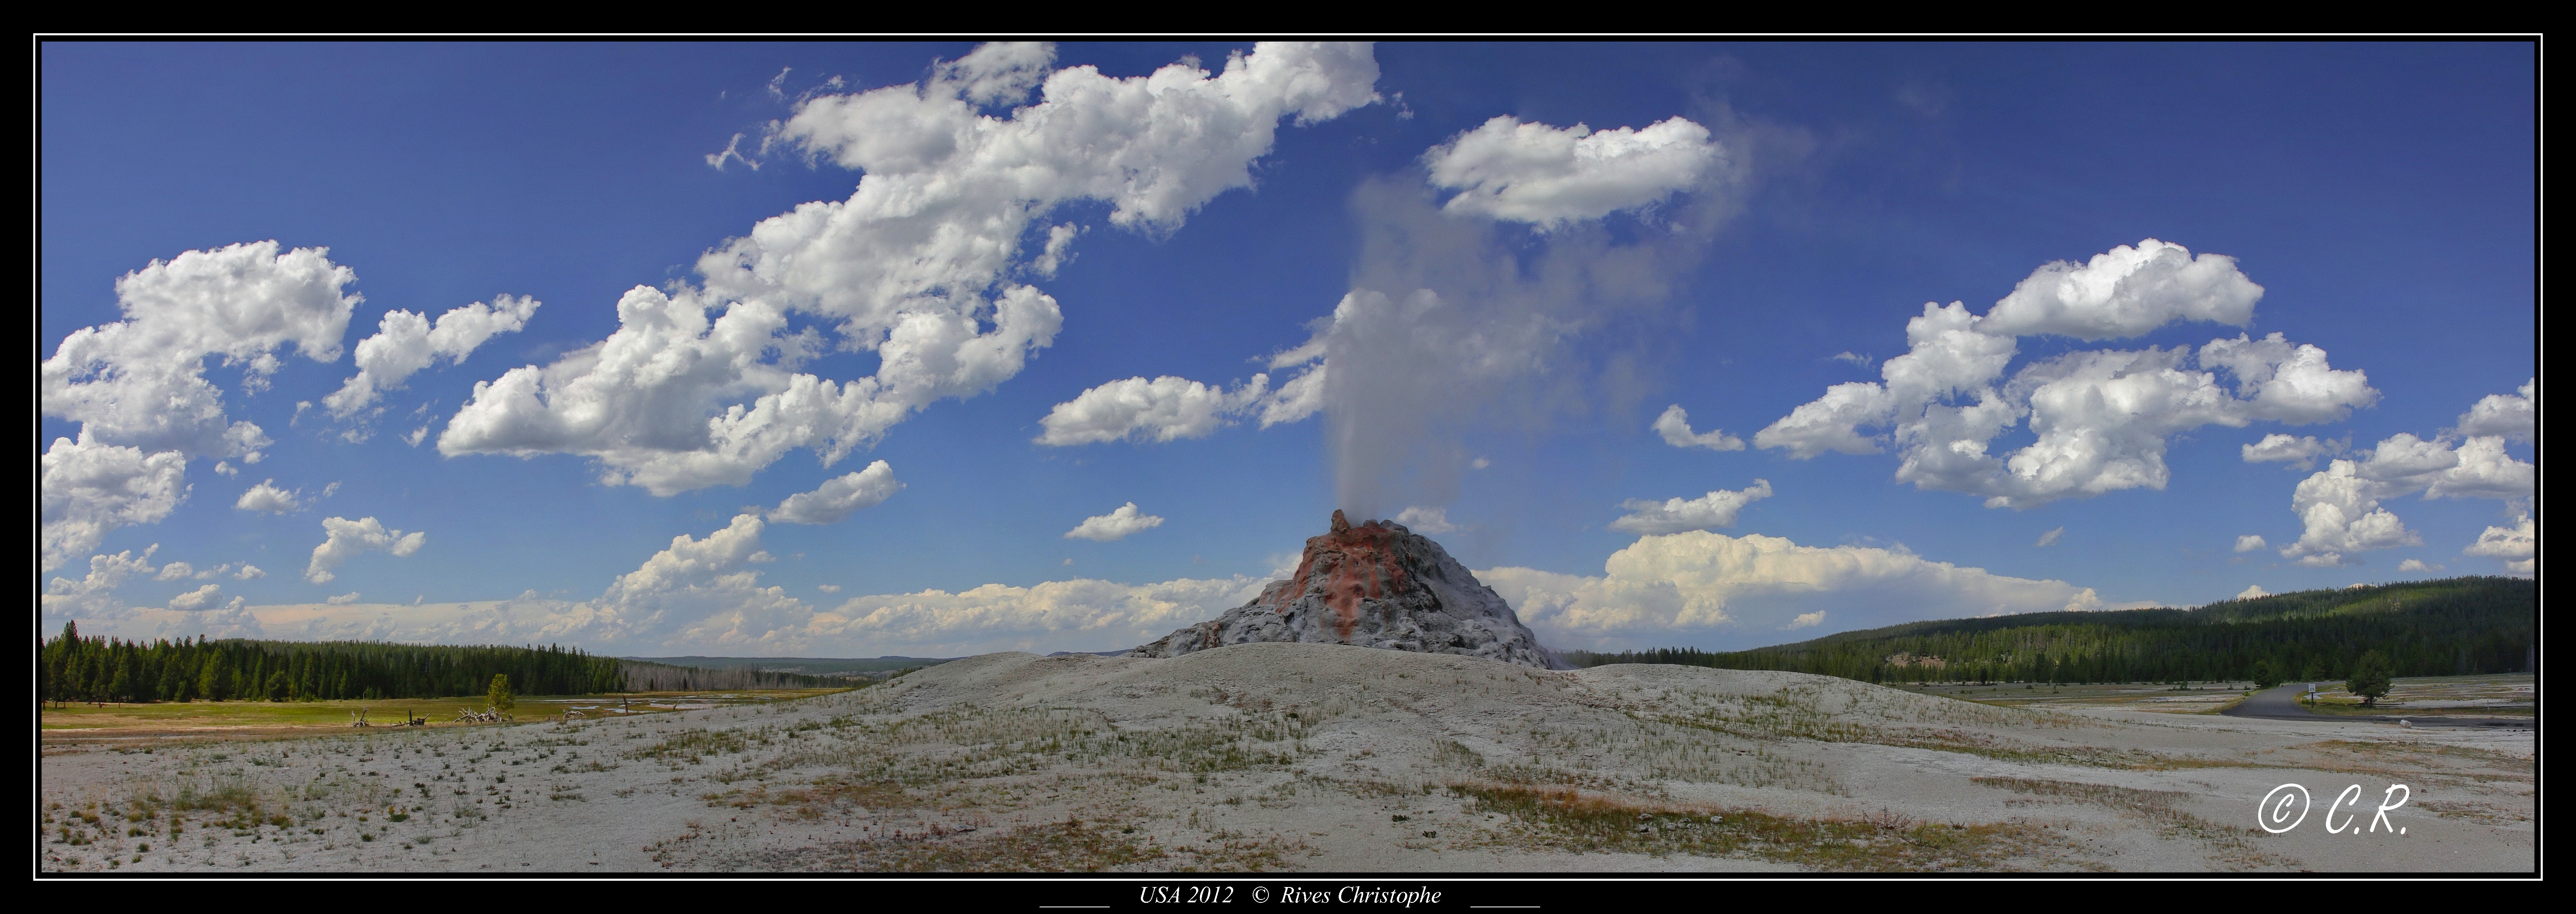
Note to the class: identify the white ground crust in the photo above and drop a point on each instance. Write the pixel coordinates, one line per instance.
(1300, 756)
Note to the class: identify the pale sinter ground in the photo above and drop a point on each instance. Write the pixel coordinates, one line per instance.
(1302, 756)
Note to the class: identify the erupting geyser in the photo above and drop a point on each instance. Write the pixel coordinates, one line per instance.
(1373, 585)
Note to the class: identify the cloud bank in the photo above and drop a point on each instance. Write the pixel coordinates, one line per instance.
(2102, 418)
(138, 386)
(1713, 590)
(924, 265)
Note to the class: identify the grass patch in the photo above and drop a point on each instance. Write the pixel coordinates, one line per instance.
(1885, 842)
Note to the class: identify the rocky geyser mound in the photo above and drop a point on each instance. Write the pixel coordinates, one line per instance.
(1373, 585)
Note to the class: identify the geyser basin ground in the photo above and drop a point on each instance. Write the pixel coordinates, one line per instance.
(1303, 756)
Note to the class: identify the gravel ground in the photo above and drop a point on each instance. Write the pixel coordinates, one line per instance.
(1303, 757)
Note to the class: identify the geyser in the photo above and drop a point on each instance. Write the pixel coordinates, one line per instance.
(1373, 585)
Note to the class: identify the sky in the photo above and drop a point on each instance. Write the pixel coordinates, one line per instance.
(936, 349)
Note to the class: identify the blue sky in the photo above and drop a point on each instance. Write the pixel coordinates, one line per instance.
(1459, 304)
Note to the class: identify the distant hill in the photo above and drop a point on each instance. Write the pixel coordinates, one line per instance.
(2447, 627)
(809, 666)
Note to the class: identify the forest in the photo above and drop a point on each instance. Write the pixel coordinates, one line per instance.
(73, 668)
(2455, 626)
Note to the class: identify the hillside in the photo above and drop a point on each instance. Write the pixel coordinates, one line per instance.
(2427, 628)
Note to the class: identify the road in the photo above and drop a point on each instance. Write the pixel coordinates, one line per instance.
(2282, 703)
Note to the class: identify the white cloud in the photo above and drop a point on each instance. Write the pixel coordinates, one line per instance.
(1807, 620)
(141, 381)
(344, 539)
(1551, 176)
(1674, 515)
(2339, 507)
(405, 343)
(416, 435)
(2483, 470)
(2101, 417)
(94, 594)
(2515, 415)
(1674, 426)
(917, 265)
(2418, 565)
(1115, 525)
(836, 499)
(1714, 590)
(87, 489)
(2126, 292)
(1854, 358)
(1163, 409)
(225, 469)
(2518, 545)
(343, 599)
(249, 572)
(2250, 542)
(175, 571)
(828, 588)
(268, 497)
(1427, 520)
(200, 598)
(1479, 463)
(2299, 453)
(2251, 591)
(138, 386)
(2050, 538)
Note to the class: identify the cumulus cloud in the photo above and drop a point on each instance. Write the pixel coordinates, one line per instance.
(2125, 292)
(1807, 620)
(1115, 525)
(138, 387)
(141, 381)
(344, 539)
(2339, 507)
(1714, 590)
(95, 593)
(2251, 591)
(2515, 415)
(200, 598)
(1163, 409)
(268, 497)
(249, 572)
(917, 266)
(86, 488)
(1674, 515)
(2250, 542)
(1674, 426)
(2050, 538)
(2518, 545)
(836, 499)
(342, 599)
(1552, 176)
(1427, 520)
(2101, 418)
(2418, 565)
(2300, 452)
(406, 342)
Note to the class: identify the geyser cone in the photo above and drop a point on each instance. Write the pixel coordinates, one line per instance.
(1373, 585)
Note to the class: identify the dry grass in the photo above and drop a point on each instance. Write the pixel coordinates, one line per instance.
(1881, 841)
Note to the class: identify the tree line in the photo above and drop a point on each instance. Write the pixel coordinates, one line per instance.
(2457, 626)
(73, 668)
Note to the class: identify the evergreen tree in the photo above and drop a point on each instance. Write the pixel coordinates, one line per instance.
(2369, 679)
(499, 696)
